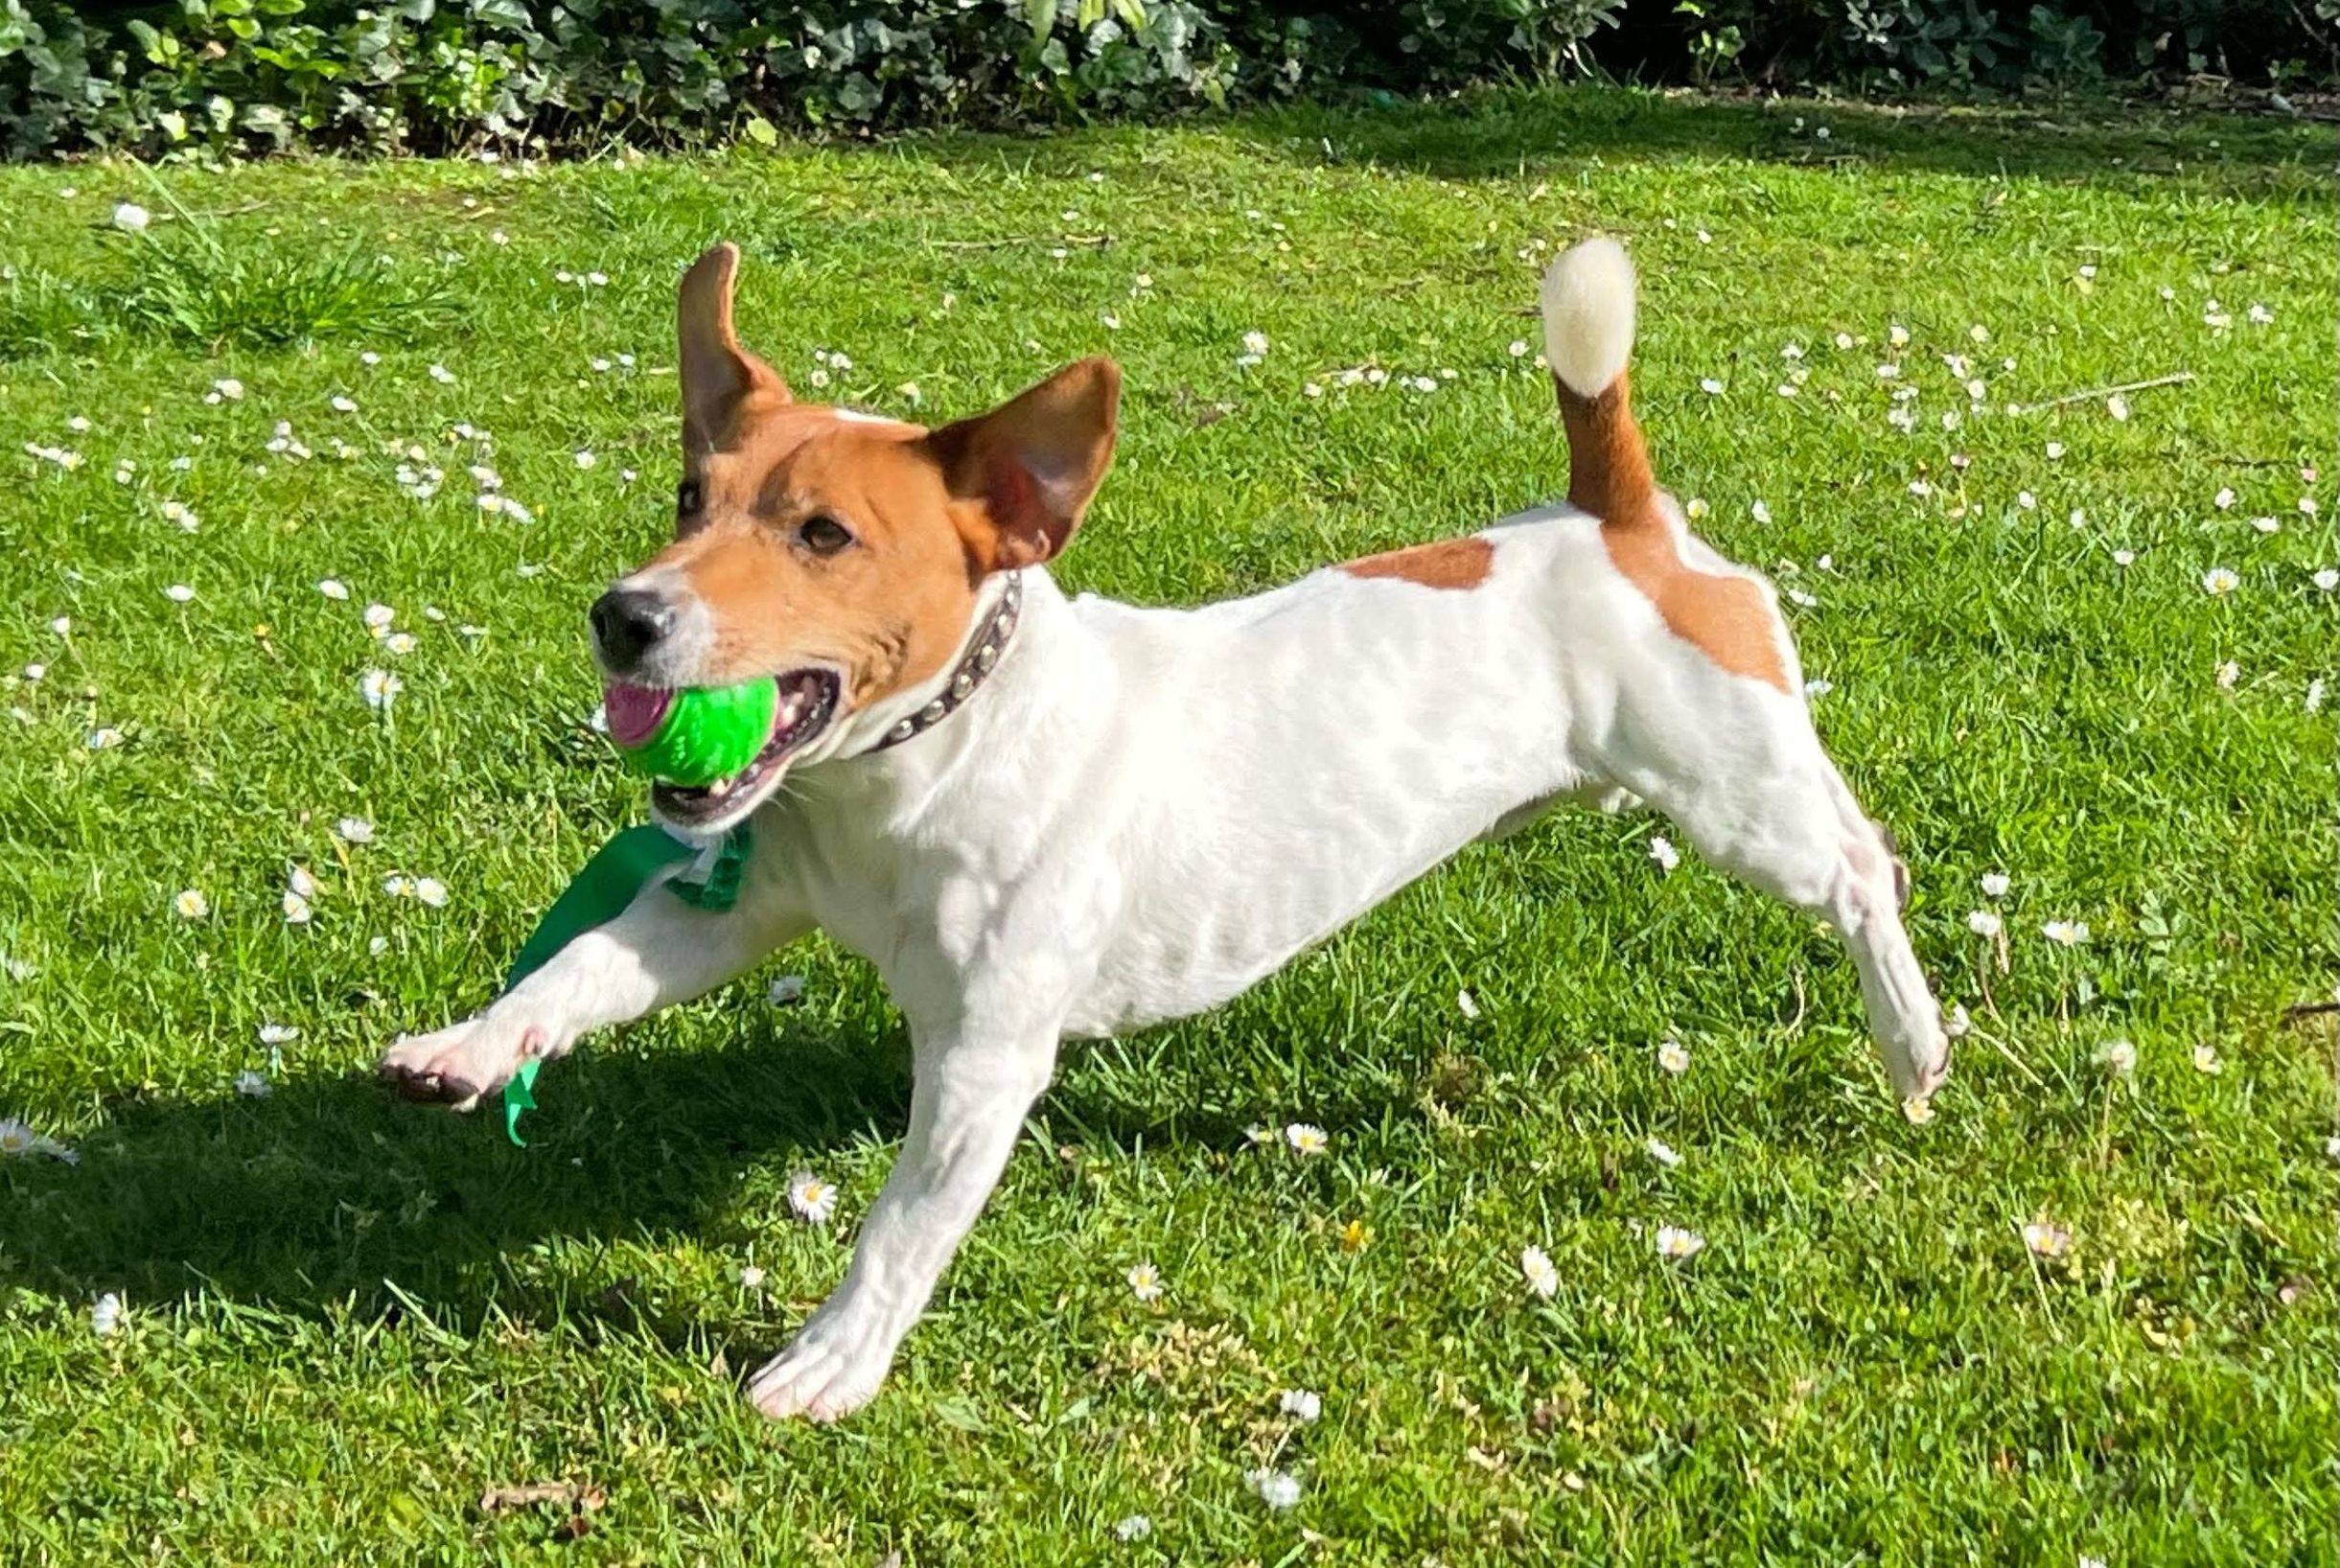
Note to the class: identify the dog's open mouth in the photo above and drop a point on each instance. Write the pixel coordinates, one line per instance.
(807, 704)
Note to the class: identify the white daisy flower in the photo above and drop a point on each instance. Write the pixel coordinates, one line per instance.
(1467, 1004)
(377, 946)
(749, 1276)
(2218, 579)
(2326, 579)
(2067, 933)
(1279, 1489)
(2229, 673)
(1762, 513)
(278, 1034)
(786, 989)
(1145, 1282)
(1301, 1404)
(1663, 1153)
(2124, 558)
(1535, 1268)
(1135, 1527)
(2046, 1240)
(813, 1199)
(1816, 687)
(1984, 924)
(1918, 1110)
(1663, 852)
(2055, 450)
(399, 642)
(253, 1084)
(378, 619)
(16, 1139)
(1255, 344)
(1518, 348)
(353, 830)
(106, 1315)
(130, 217)
(103, 738)
(1995, 884)
(1259, 1136)
(1673, 1057)
(2117, 407)
(380, 688)
(2224, 499)
(1673, 1241)
(2314, 699)
(431, 892)
(1306, 1138)
(191, 904)
(1960, 1024)
(2119, 1058)
(296, 908)
(398, 887)
(1710, 386)
(179, 593)
(2206, 1059)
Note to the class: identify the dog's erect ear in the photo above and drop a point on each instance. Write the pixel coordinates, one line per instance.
(1024, 471)
(716, 372)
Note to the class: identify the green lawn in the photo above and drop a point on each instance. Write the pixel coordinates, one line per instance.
(344, 1318)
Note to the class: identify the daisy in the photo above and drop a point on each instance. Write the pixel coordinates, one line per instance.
(1467, 1003)
(2046, 1240)
(1255, 344)
(2067, 933)
(400, 642)
(278, 1034)
(1136, 1528)
(1918, 1110)
(442, 374)
(1259, 1136)
(2326, 579)
(1145, 1282)
(813, 1199)
(1535, 1268)
(1818, 689)
(2222, 500)
(1995, 884)
(1710, 386)
(786, 989)
(1306, 1138)
(2055, 450)
(2119, 1058)
(2229, 673)
(1664, 854)
(749, 1276)
(2219, 580)
(585, 459)
(1674, 1056)
(1663, 1153)
(2124, 558)
(179, 593)
(191, 904)
(105, 738)
(1518, 348)
(1960, 1024)
(253, 1084)
(378, 619)
(130, 216)
(296, 908)
(1302, 1404)
(1279, 1489)
(398, 887)
(2117, 407)
(2206, 1059)
(1761, 512)
(2266, 525)
(106, 1315)
(353, 830)
(344, 405)
(1673, 1241)
(431, 892)
(380, 688)
(16, 1137)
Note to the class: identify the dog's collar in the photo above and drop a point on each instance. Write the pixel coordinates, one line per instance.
(974, 668)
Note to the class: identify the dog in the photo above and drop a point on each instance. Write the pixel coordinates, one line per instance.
(1045, 817)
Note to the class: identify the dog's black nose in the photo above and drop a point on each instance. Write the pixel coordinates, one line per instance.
(628, 623)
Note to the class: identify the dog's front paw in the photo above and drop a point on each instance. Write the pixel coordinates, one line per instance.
(458, 1064)
(832, 1368)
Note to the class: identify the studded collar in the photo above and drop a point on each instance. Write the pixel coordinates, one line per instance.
(974, 668)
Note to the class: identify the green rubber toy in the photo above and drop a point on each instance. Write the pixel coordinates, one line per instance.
(695, 736)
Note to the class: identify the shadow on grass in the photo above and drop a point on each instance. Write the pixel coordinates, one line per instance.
(1560, 132)
(334, 1190)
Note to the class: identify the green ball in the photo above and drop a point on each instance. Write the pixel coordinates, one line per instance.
(694, 736)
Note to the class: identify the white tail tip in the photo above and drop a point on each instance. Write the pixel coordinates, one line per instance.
(1588, 315)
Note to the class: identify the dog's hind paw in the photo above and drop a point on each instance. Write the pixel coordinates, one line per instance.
(458, 1064)
(831, 1368)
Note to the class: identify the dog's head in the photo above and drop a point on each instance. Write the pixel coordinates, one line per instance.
(840, 553)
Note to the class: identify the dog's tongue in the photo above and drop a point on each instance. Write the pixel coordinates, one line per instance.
(634, 712)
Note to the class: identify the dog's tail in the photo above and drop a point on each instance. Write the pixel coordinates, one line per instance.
(1587, 334)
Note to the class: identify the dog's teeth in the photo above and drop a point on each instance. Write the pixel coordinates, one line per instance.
(721, 787)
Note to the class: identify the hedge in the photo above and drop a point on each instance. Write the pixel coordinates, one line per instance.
(249, 76)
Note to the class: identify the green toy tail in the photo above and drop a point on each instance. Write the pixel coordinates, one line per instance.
(599, 894)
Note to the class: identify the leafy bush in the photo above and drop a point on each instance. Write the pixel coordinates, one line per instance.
(430, 74)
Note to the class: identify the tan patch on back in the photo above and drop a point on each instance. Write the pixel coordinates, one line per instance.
(1727, 618)
(1457, 563)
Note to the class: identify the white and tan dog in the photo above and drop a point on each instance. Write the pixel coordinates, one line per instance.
(1043, 817)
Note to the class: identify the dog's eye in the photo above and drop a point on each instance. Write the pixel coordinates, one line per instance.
(686, 496)
(822, 536)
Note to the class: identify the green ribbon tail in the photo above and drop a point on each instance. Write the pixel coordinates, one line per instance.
(519, 1095)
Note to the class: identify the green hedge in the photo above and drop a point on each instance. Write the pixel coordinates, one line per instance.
(252, 75)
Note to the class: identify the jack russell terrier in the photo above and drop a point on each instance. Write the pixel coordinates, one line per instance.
(1044, 818)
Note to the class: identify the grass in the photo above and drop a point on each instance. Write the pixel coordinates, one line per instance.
(346, 1318)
